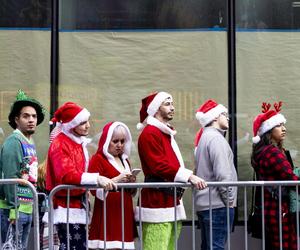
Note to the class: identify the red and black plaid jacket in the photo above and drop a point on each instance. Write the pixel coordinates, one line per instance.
(272, 165)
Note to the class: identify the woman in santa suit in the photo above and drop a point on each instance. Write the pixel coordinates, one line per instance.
(111, 160)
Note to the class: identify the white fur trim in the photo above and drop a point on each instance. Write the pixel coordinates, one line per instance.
(161, 126)
(209, 116)
(76, 215)
(89, 179)
(183, 175)
(177, 152)
(109, 136)
(95, 244)
(127, 147)
(82, 116)
(256, 139)
(157, 101)
(77, 139)
(86, 152)
(157, 215)
(271, 123)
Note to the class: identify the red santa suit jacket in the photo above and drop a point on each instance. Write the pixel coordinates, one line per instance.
(160, 157)
(67, 162)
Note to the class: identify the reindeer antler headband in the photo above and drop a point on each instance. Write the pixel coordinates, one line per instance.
(266, 121)
(266, 106)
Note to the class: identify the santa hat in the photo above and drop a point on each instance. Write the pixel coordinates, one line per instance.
(267, 120)
(198, 136)
(209, 111)
(55, 132)
(70, 115)
(150, 105)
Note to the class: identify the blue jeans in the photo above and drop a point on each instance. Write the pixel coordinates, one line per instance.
(24, 226)
(4, 213)
(219, 227)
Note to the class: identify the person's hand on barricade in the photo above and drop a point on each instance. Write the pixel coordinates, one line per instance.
(22, 182)
(197, 182)
(106, 183)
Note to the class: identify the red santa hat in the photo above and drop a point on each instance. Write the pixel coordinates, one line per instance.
(55, 132)
(150, 105)
(209, 111)
(267, 120)
(198, 136)
(70, 115)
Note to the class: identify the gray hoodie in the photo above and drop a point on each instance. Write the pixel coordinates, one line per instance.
(214, 162)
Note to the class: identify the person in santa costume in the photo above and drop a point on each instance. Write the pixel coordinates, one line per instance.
(161, 162)
(272, 162)
(214, 162)
(67, 163)
(111, 160)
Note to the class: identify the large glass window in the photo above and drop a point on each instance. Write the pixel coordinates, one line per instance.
(25, 61)
(110, 72)
(267, 71)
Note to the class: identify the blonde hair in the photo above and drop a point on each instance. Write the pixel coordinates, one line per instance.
(120, 130)
(42, 169)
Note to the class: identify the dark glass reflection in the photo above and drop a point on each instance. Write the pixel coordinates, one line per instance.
(25, 13)
(143, 14)
(151, 14)
(268, 14)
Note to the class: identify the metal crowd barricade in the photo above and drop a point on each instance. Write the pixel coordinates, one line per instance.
(263, 185)
(242, 188)
(35, 217)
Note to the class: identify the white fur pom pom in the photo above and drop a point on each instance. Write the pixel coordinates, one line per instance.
(199, 115)
(255, 139)
(140, 126)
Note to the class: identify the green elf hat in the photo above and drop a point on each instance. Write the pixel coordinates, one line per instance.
(23, 100)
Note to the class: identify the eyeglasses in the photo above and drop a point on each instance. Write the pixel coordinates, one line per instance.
(225, 114)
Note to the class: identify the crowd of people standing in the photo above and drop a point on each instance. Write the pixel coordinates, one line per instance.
(68, 162)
